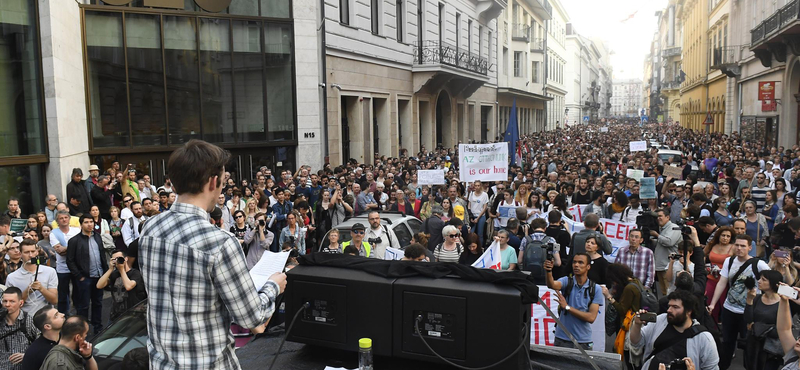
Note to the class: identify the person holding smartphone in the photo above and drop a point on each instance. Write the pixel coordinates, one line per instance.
(781, 261)
(126, 284)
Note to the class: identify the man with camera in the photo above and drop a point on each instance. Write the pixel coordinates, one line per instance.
(737, 272)
(667, 238)
(126, 284)
(258, 240)
(579, 301)
(674, 338)
(38, 283)
(379, 236)
(532, 259)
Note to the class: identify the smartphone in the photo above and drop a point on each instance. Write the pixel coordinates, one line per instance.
(780, 254)
(651, 316)
(787, 291)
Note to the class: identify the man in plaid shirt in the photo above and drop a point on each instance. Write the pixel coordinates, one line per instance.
(638, 258)
(195, 273)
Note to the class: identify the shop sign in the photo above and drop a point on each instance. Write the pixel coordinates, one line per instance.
(769, 105)
(766, 90)
(214, 6)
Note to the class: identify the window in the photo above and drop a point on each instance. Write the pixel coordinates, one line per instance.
(458, 31)
(505, 61)
(375, 17)
(441, 23)
(489, 48)
(480, 40)
(469, 35)
(535, 72)
(517, 64)
(344, 11)
(399, 15)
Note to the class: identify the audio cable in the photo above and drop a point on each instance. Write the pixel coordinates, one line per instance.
(289, 330)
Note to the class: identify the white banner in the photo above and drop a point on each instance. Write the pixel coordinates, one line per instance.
(491, 258)
(638, 146)
(543, 327)
(430, 177)
(393, 254)
(615, 231)
(577, 211)
(485, 162)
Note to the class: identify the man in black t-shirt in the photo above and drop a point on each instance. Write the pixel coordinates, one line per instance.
(126, 284)
(49, 321)
(556, 230)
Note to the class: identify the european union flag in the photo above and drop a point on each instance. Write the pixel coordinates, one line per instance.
(512, 134)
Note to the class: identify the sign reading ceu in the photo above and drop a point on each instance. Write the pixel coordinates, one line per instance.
(214, 6)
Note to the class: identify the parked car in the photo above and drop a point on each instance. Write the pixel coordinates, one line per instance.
(403, 226)
(126, 333)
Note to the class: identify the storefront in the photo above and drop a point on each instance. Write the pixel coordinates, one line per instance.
(23, 152)
(157, 78)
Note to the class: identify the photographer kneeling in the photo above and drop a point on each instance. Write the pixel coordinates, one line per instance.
(675, 338)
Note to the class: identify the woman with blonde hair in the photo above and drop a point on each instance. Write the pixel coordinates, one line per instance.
(250, 212)
(781, 261)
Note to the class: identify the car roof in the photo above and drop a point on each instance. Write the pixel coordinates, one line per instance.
(669, 151)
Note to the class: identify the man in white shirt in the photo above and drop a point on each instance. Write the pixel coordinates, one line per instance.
(130, 229)
(39, 284)
(379, 237)
(59, 238)
(632, 211)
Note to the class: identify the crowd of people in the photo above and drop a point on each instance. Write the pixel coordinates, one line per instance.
(698, 279)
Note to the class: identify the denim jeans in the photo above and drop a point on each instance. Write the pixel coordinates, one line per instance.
(733, 326)
(64, 279)
(568, 344)
(479, 227)
(87, 291)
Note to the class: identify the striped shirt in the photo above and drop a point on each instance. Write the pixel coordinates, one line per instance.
(197, 284)
(24, 332)
(759, 195)
(641, 263)
(441, 254)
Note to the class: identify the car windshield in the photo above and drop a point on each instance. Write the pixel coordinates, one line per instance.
(127, 333)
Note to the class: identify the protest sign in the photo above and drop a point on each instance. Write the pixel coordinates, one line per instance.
(18, 224)
(603, 129)
(430, 177)
(615, 231)
(507, 212)
(490, 259)
(638, 146)
(647, 188)
(674, 172)
(485, 162)
(393, 254)
(543, 326)
(635, 174)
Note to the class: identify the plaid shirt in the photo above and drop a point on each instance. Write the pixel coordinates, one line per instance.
(641, 263)
(197, 285)
(17, 342)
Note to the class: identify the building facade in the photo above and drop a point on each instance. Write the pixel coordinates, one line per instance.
(585, 65)
(95, 83)
(408, 75)
(524, 67)
(556, 87)
(670, 58)
(627, 98)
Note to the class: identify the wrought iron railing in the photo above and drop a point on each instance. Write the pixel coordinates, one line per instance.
(725, 55)
(520, 32)
(434, 52)
(777, 21)
(537, 45)
(670, 52)
(670, 85)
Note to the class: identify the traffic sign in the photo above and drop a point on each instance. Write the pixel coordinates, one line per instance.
(585, 118)
(709, 120)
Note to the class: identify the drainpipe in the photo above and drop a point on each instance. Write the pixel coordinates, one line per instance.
(323, 52)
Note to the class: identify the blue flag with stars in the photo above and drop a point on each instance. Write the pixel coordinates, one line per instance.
(512, 134)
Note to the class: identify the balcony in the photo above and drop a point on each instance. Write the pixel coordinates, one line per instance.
(537, 45)
(670, 85)
(726, 59)
(434, 52)
(520, 32)
(772, 36)
(671, 52)
(541, 8)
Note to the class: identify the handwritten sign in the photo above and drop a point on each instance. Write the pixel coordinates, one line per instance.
(638, 146)
(430, 177)
(674, 172)
(485, 162)
(647, 188)
(635, 174)
(543, 327)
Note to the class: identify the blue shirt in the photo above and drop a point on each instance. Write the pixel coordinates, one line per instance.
(578, 300)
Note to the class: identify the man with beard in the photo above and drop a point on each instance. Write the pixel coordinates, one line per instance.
(675, 335)
(130, 229)
(583, 195)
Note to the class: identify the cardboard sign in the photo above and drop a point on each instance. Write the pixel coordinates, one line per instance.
(674, 172)
(638, 146)
(430, 177)
(485, 162)
(647, 188)
(635, 174)
(543, 327)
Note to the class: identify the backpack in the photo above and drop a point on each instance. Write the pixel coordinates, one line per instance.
(438, 249)
(648, 301)
(535, 255)
(23, 327)
(568, 290)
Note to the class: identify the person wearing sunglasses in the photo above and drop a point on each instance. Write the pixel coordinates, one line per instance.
(357, 241)
(450, 249)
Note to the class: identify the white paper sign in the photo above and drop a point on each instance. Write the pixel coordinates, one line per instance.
(635, 174)
(638, 146)
(393, 254)
(430, 177)
(269, 264)
(485, 162)
(603, 129)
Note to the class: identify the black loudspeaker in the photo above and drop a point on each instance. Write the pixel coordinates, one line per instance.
(470, 323)
(345, 306)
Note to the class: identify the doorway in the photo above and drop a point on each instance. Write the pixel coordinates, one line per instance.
(444, 120)
(425, 129)
(486, 114)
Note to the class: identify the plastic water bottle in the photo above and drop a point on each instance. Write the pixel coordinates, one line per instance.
(365, 354)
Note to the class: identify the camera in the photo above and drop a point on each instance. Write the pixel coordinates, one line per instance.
(749, 282)
(550, 250)
(675, 256)
(647, 221)
(262, 223)
(120, 260)
(677, 364)
(684, 224)
(292, 240)
(374, 241)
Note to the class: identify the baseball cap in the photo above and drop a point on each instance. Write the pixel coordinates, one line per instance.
(358, 226)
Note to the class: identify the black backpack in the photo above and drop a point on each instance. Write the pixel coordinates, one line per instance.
(535, 255)
(649, 301)
(568, 290)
